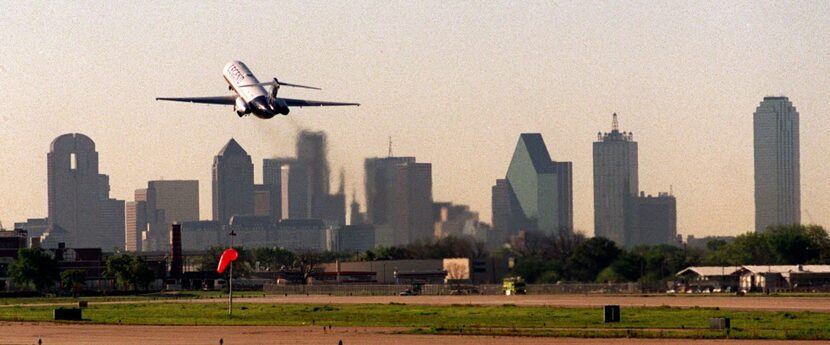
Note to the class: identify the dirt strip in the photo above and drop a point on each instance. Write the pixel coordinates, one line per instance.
(62, 333)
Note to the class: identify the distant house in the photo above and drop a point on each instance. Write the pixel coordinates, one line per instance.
(709, 277)
(778, 277)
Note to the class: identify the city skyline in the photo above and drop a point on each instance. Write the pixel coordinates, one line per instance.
(686, 78)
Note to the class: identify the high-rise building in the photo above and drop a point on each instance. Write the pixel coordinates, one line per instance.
(540, 189)
(381, 176)
(414, 203)
(178, 198)
(777, 163)
(165, 202)
(272, 176)
(79, 201)
(615, 183)
(135, 218)
(312, 152)
(502, 213)
(262, 200)
(355, 216)
(233, 183)
(111, 223)
(309, 177)
(654, 220)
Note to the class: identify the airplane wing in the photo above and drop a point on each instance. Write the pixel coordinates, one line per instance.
(226, 100)
(305, 103)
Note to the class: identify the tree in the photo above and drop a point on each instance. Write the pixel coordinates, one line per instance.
(272, 259)
(590, 258)
(778, 245)
(793, 244)
(628, 267)
(129, 271)
(306, 262)
(34, 267)
(73, 280)
(661, 262)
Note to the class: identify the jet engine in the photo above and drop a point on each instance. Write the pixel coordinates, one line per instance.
(241, 107)
(280, 106)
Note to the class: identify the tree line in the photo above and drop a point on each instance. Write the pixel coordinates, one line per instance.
(37, 269)
(542, 258)
(573, 257)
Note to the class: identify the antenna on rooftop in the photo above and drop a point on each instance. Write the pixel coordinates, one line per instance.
(615, 125)
(390, 146)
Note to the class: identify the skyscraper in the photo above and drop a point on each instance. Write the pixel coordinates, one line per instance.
(178, 198)
(135, 222)
(381, 176)
(233, 183)
(540, 189)
(79, 201)
(502, 213)
(165, 202)
(414, 219)
(311, 176)
(272, 176)
(262, 200)
(355, 216)
(615, 183)
(777, 163)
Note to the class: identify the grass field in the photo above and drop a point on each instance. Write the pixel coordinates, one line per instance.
(459, 319)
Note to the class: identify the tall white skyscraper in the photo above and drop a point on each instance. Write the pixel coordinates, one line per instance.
(777, 164)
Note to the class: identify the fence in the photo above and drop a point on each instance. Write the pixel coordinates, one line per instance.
(442, 289)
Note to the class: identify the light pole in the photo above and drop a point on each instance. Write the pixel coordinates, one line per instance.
(230, 280)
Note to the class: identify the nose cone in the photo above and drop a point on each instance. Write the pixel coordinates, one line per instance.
(261, 107)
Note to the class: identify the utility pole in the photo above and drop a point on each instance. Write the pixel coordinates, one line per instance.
(230, 280)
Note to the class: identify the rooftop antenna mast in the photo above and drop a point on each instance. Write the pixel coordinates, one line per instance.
(390, 146)
(615, 125)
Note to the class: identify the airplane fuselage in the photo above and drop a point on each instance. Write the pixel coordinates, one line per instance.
(252, 99)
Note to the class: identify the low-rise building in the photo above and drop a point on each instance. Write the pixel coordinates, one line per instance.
(711, 278)
(755, 278)
(784, 277)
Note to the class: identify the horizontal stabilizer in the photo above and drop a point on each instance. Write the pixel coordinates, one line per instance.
(277, 82)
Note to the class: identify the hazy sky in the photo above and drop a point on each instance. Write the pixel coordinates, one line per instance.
(454, 84)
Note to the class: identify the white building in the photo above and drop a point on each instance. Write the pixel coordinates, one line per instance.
(777, 174)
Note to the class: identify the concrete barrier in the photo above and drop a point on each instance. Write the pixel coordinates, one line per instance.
(719, 323)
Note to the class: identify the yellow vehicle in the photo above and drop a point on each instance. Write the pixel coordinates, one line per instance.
(514, 286)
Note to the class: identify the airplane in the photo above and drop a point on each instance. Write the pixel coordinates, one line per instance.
(250, 96)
